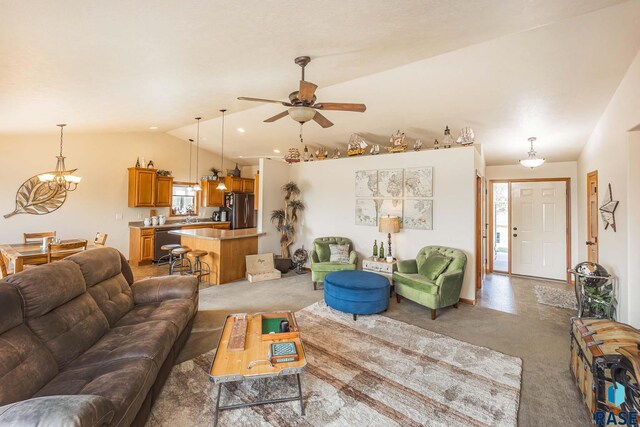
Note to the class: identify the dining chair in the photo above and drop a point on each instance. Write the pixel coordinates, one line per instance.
(4, 271)
(58, 251)
(37, 237)
(100, 240)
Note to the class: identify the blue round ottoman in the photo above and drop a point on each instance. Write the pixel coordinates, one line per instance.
(356, 292)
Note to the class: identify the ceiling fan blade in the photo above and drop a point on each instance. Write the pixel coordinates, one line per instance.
(277, 116)
(307, 90)
(322, 120)
(359, 108)
(273, 101)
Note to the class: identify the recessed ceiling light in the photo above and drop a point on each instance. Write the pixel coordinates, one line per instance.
(276, 151)
(153, 127)
(203, 138)
(240, 157)
(241, 130)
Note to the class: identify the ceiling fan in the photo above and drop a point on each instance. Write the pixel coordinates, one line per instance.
(302, 103)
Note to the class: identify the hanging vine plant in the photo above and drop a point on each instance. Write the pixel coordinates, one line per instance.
(35, 197)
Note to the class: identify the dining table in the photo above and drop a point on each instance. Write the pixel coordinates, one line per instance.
(21, 254)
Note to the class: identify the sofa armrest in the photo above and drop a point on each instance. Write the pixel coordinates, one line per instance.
(353, 257)
(449, 287)
(158, 289)
(409, 266)
(68, 410)
(313, 256)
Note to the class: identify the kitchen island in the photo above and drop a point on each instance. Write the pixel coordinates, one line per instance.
(226, 250)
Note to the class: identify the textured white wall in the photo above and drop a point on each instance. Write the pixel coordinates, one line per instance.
(328, 190)
(607, 151)
(102, 161)
(273, 175)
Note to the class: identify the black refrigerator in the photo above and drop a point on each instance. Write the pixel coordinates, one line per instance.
(240, 209)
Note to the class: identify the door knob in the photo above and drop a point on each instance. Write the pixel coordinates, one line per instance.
(515, 235)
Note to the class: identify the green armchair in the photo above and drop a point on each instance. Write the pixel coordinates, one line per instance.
(320, 254)
(442, 291)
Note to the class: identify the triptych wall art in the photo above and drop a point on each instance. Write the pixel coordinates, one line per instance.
(405, 193)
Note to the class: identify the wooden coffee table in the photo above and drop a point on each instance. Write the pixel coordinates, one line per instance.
(235, 362)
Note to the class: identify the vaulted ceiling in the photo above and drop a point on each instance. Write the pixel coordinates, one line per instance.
(508, 69)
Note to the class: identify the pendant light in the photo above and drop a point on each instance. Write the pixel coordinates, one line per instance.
(221, 185)
(532, 161)
(61, 178)
(197, 186)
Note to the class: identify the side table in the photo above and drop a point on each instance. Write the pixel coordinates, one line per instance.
(381, 267)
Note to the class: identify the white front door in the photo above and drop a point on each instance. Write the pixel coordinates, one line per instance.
(538, 229)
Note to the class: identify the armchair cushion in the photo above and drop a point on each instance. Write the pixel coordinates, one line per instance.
(434, 265)
(321, 246)
(73, 411)
(408, 266)
(417, 281)
(333, 266)
(323, 251)
(158, 289)
(339, 253)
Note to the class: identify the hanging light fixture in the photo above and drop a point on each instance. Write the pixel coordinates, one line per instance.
(532, 161)
(61, 178)
(197, 186)
(221, 185)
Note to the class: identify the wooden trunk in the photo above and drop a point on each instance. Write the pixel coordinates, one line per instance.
(594, 345)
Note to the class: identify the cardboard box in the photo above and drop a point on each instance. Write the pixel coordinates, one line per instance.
(260, 268)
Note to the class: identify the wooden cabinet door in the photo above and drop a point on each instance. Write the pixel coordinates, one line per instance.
(164, 190)
(142, 187)
(146, 248)
(225, 226)
(211, 196)
(233, 184)
(247, 185)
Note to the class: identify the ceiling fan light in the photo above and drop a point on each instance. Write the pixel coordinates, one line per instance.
(302, 114)
(532, 162)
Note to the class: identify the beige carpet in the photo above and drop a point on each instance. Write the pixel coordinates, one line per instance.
(373, 372)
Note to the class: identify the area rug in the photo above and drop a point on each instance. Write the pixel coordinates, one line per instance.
(375, 371)
(555, 297)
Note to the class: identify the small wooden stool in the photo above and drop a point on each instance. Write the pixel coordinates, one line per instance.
(200, 268)
(168, 257)
(179, 260)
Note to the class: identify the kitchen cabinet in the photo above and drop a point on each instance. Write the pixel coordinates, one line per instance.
(233, 183)
(141, 246)
(164, 191)
(211, 197)
(248, 185)
(142, 187)
(223, 226)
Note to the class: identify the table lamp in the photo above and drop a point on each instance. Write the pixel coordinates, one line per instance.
(389, 224)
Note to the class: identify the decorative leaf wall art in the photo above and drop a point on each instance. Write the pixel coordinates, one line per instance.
(35, 197)
(608, 210)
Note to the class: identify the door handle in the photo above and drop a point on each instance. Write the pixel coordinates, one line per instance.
(515, 235)
(589, 243)
(515, 228)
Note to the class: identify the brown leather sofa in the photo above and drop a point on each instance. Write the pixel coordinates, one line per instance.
(82, 344)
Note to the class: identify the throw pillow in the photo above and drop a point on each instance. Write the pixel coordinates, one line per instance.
(339, 253)
(434, 265)
(322, 249)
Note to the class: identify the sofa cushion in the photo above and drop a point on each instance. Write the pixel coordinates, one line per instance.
(68, 411)
(433, 265)
(124, 382)
(114, 297)
(332, 266)
(339, 253)
(323, 251)
(416, 281)
(25, 364)
(70, 329)
(176, 311)
(98, 264)
(149, 340)
(48, 286)
(10, 307)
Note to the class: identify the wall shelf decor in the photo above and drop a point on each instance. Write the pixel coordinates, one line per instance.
(607, 211)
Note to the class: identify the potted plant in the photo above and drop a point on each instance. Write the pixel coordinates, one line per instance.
(285, 221)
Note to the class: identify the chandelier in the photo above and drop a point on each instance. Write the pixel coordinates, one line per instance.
(532, 161)
(61, 178)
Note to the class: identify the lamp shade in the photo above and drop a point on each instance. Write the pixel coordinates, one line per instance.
(389, 224)
(302, 114)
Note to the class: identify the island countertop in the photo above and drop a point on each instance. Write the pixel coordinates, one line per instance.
(214, 234)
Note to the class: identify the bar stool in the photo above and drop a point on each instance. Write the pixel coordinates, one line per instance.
(179, 260)
(168, 258)
(200, 268)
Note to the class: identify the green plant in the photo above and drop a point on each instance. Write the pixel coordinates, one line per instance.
(285, 219)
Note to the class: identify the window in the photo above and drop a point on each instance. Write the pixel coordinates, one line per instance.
(184, 200)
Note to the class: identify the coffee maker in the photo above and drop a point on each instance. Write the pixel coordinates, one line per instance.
(215, 216)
